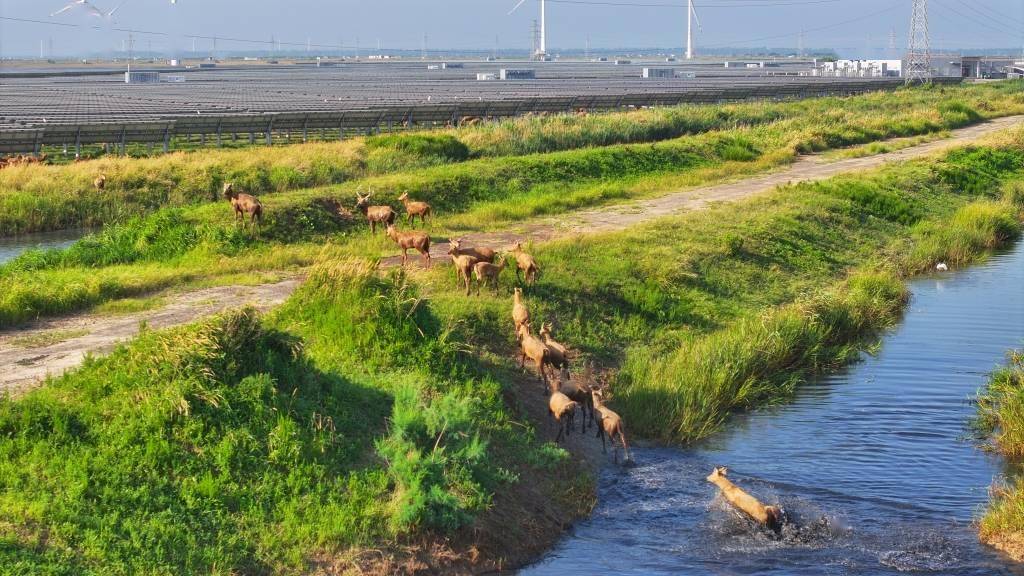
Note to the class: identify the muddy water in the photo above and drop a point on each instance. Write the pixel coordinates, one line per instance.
(871, 464)
(12, 246)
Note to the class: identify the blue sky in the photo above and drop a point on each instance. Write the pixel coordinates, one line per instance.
(853, 27)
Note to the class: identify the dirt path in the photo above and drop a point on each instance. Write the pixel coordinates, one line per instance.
(66, 341)
(63, 343)
(622, 216)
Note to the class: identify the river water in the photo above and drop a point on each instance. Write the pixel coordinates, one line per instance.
(12, 246)
(873, 464)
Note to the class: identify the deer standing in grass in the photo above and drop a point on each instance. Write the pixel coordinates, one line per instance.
(100, 182)
(526, 264)
(520, 313)
(414, 209)
(768, 516)
(418, 241)
(609, 424)
(487, 273)
(244, 205)
(384, 215)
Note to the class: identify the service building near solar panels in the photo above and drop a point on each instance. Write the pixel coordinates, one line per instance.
(62, 110)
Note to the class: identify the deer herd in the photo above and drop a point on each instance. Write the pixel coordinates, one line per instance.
(568, 396)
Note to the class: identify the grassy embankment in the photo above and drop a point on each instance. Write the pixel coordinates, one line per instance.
(731, 307)
(198, 245)
(501, 155)
(1001, 416)
(375, 409)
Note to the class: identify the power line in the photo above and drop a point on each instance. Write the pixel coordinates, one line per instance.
(805, 30)
(738, 4)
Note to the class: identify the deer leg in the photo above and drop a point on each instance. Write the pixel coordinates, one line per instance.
(561, 428)
(426, 258)
(405, 256)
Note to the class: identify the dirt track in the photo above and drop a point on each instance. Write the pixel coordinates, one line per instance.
(23, 366)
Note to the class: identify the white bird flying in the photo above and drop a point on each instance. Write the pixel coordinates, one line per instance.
(93, 10)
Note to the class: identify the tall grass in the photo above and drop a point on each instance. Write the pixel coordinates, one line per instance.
(688, 394)
(35, 198)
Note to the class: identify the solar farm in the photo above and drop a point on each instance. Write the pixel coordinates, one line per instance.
(345, 98)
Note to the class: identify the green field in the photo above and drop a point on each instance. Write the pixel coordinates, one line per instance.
(378, 409)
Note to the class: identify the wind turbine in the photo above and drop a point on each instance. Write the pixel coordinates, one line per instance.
(542, 50)
(691, 15)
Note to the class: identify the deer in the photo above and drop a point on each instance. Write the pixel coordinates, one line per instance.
(481, 254)
(559, 356)
(487, 273)
(520, 313)
(770, 517)
(100, 182)
(375, 214)
(579, 391)
(525, 263)
(609, 424)
(412, 239)
(531, 346)
(562, 409)
(414, 209)
(244, 205)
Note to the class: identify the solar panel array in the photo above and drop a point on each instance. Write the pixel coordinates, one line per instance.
(69, 110)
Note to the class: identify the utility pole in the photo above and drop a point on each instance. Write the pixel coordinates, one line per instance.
(543, 29)
(919, 57)
(497, 41)
(689, 29)
(587, 55)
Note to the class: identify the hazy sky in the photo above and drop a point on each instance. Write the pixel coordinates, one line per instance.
(475, 23)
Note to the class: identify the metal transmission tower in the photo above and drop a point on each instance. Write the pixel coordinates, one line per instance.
(918, 65)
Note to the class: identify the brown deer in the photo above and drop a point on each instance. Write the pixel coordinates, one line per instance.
(100, 182)
(768, 516)
(579, 391)
(414, 209)
(375, 214)
(559, 356)
(412, 239)
(244, 205)
(562, 409)
(525, 263)
(520, 314)
(531, 347)
(487, 273)
(480, 254)
(609, 424)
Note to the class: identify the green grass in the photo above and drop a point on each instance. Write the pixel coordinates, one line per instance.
(35, 198)
(372, 409)
(1001, 417)
(242, 444)
(876, 148)
(733, 306)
